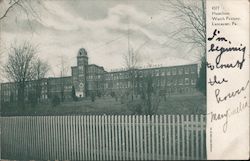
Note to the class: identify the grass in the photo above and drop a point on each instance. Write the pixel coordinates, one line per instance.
(195, 104)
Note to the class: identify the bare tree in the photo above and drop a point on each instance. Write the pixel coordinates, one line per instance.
(150, 95)
(19, 67)
(41, 68)
(131, 60)
(27, 7)
(190, 29)
(190, 16)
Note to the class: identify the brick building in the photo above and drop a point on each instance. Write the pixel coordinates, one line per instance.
(90, 79)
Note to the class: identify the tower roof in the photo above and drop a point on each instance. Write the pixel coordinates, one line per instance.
(82, 52)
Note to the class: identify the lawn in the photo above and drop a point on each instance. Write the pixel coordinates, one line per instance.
(195, 104)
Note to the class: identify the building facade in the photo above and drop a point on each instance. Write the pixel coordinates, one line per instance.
(88, 79)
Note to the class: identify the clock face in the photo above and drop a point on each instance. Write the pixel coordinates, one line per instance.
(81, 86)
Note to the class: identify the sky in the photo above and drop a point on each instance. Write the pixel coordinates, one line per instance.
(62, 27)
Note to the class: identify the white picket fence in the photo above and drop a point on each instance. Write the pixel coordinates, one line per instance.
(113, 137)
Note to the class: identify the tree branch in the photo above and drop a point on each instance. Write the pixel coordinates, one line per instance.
(8, 9)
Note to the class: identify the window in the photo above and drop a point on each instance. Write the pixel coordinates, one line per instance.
(193, 69)
(180, 71)
(180, 81)
(186, 70)
(174, 71)
(162, 73)
(186, 81)
(162, 82)
(168, 72)
(175, 82)
(140, 73)
(157, 72)
(193, 81)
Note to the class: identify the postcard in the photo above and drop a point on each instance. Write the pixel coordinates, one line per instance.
(124, 79)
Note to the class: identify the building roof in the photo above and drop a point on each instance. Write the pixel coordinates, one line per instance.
(82, 52)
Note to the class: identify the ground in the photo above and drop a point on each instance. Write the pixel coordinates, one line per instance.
(195, 104)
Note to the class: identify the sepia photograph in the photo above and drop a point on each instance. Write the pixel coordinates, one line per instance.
(103, 79)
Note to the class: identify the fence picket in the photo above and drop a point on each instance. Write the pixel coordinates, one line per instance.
(116, 137)
(145, 137)
(119, 137)
(112, 138)
(66, 137)
(123, 150)
(169, 138)
(174, 137)
(192, 137)
(161, 139)
(130, 136)
(148, 138)
(183, 137)
(133, 138)
(156, 127)
(153, 135)
(187, 136)
(140, 151)
(178, 136)
(81, 143)
(89, 138)
(99, 134)
(165, 137)
(104, 139)
(137, 137)
(197, 137)
(93, 121)
(202, 136)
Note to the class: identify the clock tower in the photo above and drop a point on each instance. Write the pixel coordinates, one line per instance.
(82, 64)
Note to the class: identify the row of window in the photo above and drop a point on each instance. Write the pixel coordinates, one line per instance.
(162, 83)
(154, 73)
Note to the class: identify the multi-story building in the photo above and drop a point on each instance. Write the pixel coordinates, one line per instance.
(90, 79)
